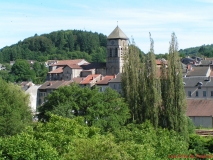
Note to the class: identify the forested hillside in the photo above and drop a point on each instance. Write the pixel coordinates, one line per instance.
(69, 44)
(204, 50)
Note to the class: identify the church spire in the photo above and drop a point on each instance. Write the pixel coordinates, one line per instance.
(117, 33)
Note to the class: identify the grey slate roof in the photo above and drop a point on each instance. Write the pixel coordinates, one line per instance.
(187, 60)
(193, 81)
(206, 62)
(198, 71)
(117, 33)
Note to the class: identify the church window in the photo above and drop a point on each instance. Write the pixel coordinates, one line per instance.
(116, 52)
(110, 52)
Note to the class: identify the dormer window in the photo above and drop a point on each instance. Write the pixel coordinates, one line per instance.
(199, 84)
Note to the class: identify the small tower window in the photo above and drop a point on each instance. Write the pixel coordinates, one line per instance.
(116, 52)
(110, 52)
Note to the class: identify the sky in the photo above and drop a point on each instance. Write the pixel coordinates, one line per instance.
(190, 20)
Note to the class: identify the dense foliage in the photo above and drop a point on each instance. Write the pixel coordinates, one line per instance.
(155, 94)
(106, 110)
(64, 138)
(204, 50)
(14, 110)
(70, 44)
(173, 114)
(23, 70)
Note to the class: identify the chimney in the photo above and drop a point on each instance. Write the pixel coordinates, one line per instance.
(50, 84)
(114, 75)
(101, 77)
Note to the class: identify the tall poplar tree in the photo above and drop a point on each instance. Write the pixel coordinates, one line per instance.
(174, 100)
(131, 82)
(153, 90)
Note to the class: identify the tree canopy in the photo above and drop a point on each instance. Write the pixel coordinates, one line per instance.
(65, 138)
(69, 44)
(14, 110)
(106, 110)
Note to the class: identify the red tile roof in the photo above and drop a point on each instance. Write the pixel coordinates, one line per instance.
(74, 66)
(68, 62)
(58, 70)
(71, 63)
(89, 78)
(77, 79)
(199, 107)
(105, 80)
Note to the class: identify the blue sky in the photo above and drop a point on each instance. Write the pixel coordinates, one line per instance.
(191, 20)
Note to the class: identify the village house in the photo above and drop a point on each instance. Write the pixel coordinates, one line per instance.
(104, 82)
(200, 111)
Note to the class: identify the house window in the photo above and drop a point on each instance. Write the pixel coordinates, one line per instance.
(101, 89)
(119, 86)
(197, 94)
(211, 93)
(114, 86)
(189, 93)
(204, 93)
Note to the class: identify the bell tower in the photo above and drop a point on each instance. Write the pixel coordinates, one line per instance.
(117, 45)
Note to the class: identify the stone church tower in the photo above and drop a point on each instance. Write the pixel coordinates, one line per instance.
(117, 45)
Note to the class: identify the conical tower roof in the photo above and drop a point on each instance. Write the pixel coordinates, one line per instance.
(117, 33)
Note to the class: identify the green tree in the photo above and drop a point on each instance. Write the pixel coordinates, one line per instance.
(107, 110)
(173, 95)
(14, 109)
(40, 71)
(153, 91)
(22, 71)
(131, 80)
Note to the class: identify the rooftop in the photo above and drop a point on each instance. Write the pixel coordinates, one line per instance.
(89, 78)
(198, 71)
(105, 80)
(199, 107)
(117, 33)
(54, 84)
(117, 79)
(57, 70)
(70, 62)
(193, 81)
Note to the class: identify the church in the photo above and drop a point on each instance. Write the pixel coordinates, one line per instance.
(117, 44)
(80, 71)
